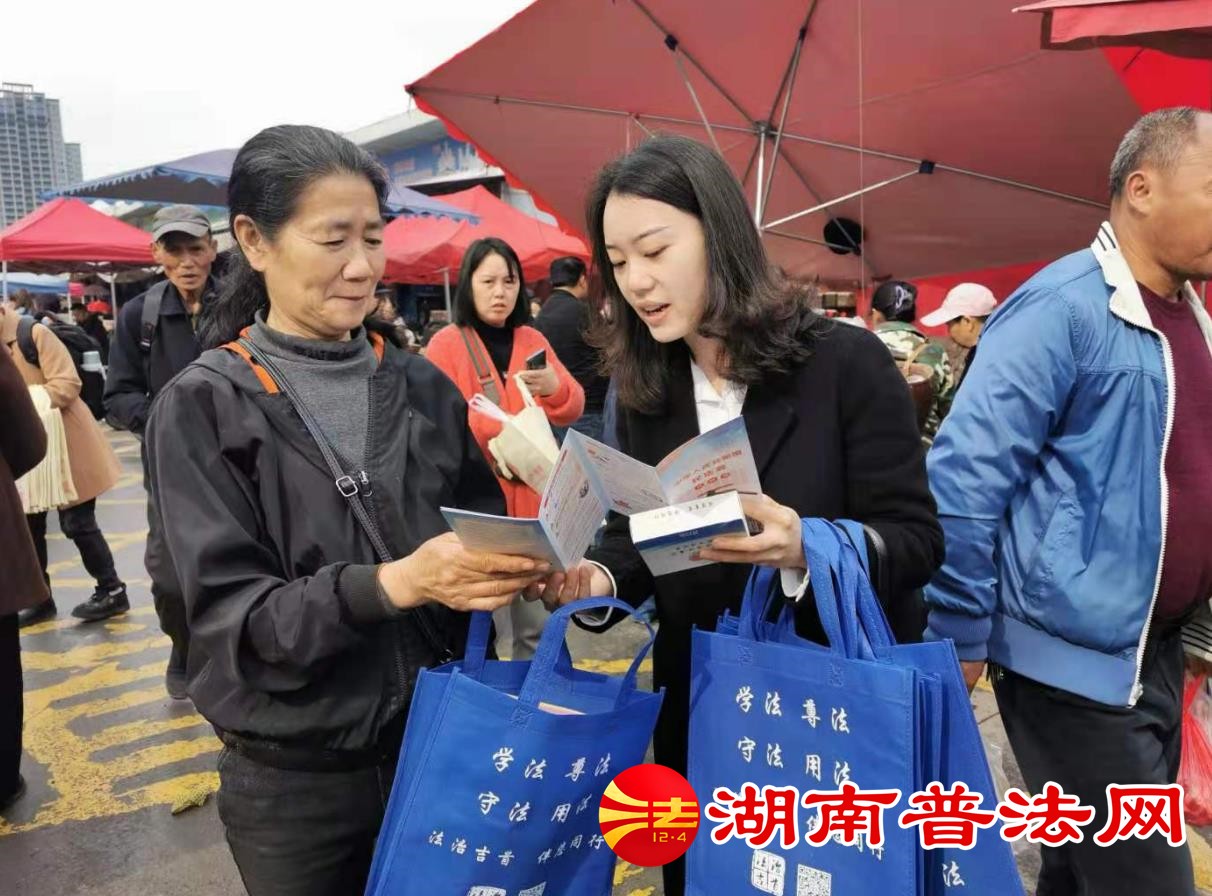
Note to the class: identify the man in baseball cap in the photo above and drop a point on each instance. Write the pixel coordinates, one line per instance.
(964, 310)
(155, 331)
(154, 340)
(891, 316)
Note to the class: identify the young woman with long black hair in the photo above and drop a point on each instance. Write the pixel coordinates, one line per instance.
(702, 331)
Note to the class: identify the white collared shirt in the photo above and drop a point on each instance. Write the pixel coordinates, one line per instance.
(712, 409)
(715, 408)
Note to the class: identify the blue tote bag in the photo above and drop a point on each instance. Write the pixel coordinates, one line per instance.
(502, 770)
(940, 740)
(989, 866)
(771, 709)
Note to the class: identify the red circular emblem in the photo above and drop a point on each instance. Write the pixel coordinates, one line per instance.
(649, 815)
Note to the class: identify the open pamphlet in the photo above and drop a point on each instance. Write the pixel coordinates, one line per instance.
(676, 507)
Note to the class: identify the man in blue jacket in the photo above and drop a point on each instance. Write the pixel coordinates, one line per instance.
(1074, 484)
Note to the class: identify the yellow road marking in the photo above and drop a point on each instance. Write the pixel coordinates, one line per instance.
(84, 786)
(87, 788)
(55, 625)
(151, 758)
(166, 793)
(88, 583)
(126, 699)
(624, 870)
(124, 628)
(88, 654)
(1201, 858)
(117, 735)
(611, 667)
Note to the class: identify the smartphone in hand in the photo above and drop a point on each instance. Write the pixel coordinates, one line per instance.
(537, 361)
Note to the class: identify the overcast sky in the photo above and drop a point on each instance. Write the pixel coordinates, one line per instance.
(142, 82)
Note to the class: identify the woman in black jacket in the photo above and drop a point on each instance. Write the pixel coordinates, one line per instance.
(701, 331)
(306, 638)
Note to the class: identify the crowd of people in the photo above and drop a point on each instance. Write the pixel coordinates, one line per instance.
(1044, 503)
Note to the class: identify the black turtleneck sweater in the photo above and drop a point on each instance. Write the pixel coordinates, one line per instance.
(499, 342)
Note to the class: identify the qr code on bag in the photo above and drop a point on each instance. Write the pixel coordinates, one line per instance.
(768, 873)
(812, 882)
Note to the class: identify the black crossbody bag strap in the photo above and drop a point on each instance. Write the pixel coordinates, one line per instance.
(350, 489)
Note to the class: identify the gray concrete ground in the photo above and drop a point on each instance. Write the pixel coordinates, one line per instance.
(108, 754)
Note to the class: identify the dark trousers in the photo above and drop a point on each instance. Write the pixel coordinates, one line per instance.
(79, 523)
(301, 833)
(11, 707)
(1083, 746)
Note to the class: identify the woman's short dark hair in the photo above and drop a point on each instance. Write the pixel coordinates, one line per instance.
(271, 171)
(762, 319)
(463, 306)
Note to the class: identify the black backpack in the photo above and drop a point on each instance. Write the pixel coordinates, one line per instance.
(78, 342)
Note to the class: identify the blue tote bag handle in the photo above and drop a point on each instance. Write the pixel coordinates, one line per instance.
(476, 653)
(853, 541)
(852, 619)
(840, 623)
(544, 681)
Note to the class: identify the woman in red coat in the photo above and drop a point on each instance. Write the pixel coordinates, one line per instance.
(482, 351)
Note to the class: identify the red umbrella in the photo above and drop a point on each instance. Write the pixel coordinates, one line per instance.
(1161, 48)
(933, 134)
(1158, 80)
(1179, 27)
(429, 250)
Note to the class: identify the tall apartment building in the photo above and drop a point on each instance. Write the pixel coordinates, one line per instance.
(33, 157)
(75, 164)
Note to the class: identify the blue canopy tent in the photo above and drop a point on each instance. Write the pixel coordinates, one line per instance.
(44, 284)
(202, 180)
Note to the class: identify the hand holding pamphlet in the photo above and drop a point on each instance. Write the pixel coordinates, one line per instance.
(676, 507)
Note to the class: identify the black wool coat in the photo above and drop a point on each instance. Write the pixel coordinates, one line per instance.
(835, 438)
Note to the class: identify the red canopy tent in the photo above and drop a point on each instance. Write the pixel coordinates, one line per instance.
(429, 250)
(937, 127)
(69, 235)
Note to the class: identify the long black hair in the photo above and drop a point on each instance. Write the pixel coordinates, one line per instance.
(271, 171)
(463, 304)
(763, 320)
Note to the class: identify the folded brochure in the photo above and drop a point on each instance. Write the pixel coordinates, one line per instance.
(675, 507)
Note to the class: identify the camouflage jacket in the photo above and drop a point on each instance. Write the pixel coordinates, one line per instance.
(903, 340)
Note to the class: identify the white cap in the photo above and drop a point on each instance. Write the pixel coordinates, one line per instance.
(965, 300)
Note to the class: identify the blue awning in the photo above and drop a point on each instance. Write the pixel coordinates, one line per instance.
(38, 283)
(198, 180)
(202, 180)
